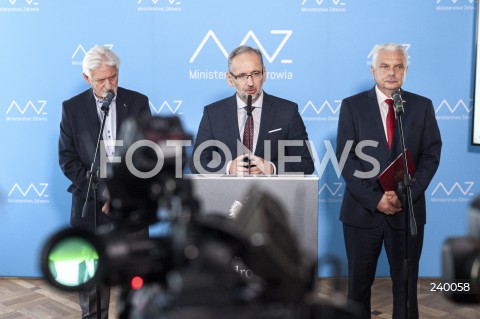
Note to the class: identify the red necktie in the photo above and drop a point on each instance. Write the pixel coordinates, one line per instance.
(248, 131)
(390, 122)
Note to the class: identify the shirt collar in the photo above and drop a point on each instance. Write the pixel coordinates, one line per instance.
(380, 96)
(257, 104)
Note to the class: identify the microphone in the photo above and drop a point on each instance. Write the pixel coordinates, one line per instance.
(397, 101)
(249, 105)
(107, 99)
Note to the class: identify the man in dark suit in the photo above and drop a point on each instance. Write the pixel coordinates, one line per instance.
(371, 216)
(79, 128)
(275, 141)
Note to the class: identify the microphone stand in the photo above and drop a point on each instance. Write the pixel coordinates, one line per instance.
(249, 114)
(93, 183)
(405, 192)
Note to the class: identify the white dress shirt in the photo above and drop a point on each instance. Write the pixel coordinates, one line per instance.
(110, 129)
(242, 118)
(383, 108)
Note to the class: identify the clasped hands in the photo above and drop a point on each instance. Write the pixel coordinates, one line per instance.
(389, 203)
(258, 166)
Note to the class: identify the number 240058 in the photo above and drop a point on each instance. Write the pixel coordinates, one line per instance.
(459, 287)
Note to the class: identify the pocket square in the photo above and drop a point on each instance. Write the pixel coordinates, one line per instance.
(277, 129)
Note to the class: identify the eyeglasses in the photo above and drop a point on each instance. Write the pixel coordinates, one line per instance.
(386, 68)
(242, 77)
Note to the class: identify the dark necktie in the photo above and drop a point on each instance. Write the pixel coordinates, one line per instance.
(248, 131)
(390, 122)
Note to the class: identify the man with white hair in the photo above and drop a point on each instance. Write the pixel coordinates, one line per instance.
(373, 216)
(82, 116)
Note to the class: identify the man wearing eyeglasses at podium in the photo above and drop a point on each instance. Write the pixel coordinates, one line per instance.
(250, 132)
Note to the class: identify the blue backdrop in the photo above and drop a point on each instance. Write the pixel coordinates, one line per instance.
(316, 53)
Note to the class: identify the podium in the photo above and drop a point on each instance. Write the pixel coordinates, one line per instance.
(297, 194)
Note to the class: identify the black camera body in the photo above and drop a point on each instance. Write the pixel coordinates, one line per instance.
(461, 261)
(203, 265)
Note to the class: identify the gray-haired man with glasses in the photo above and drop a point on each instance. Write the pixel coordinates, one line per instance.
(373, 215)
(264, 137)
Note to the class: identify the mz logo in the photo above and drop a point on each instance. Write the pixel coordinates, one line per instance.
(156, 1)
(40, 190)
(460, 103)
(465, 190)
(320, 2)
(270, 58)
(30, 105)
(334, 191)
(173, 109)
(453, 1)
(334, 109)
(29, 2)
(82, 50)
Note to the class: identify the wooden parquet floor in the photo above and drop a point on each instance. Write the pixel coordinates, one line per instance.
(34, 298)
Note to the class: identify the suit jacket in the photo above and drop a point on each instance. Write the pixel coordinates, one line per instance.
(280, 120)
(79, 130)
(360, 120)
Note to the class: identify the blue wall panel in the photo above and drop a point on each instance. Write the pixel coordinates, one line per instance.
(316, 53)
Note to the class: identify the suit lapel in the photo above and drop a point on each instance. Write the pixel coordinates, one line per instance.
(374, 114)
(230, 119)
(121, 108)
(92, 114)
(90, 124)
(266, 120)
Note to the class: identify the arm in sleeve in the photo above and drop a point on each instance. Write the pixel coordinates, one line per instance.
(298, 132)
(204, 134)
(70, 163)
(429, 154)
(366, 192)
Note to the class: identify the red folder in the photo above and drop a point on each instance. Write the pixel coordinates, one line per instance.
(393, 174)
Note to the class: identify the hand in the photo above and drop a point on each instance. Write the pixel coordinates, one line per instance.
(239, 165)
(106, 208)
(393, 199)
(389, 204)
(259, 166)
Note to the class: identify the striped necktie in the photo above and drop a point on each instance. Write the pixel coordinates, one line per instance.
(248, 131)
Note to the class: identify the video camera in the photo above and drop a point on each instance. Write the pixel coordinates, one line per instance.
(191, 270)
(461, 262)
